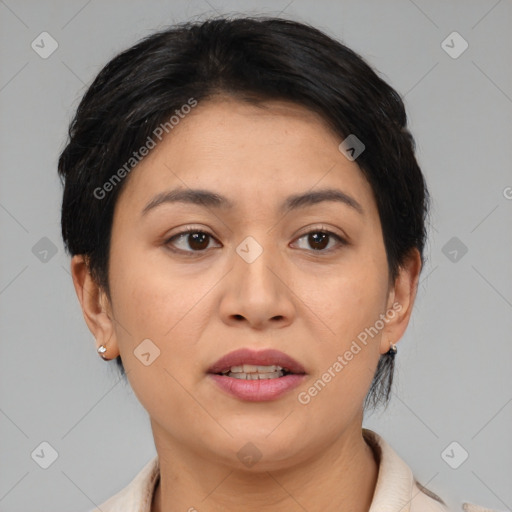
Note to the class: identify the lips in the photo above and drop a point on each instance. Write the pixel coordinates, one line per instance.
(267, 357)
(257, 376)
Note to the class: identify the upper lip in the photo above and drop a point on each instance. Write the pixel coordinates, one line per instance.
(266, 357)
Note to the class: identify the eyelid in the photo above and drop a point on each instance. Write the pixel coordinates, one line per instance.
(190, 229)
(323, 228)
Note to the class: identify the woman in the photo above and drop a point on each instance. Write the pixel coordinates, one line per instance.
(246, 219)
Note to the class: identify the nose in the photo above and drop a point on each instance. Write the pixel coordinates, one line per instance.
(258, 293)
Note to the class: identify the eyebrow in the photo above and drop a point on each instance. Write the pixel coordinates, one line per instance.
(212, 200)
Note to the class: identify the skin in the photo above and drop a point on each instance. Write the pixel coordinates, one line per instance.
(198, 306)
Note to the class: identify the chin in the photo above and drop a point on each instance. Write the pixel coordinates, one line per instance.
(265, 448)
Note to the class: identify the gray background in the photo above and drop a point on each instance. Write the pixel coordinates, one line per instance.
(453, 380)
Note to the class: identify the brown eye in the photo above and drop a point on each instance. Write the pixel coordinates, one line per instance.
(319, 240)
(197, 241)
(192, 240)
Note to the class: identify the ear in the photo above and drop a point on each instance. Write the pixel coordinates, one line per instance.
(96, 307)
(401, 300)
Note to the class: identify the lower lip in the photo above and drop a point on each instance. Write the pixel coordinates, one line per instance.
(257, 390)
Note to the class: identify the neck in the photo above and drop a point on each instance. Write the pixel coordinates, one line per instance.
(342, 477)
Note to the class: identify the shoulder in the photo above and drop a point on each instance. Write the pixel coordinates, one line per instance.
(424, 500)
(398, 489)
(138, 494)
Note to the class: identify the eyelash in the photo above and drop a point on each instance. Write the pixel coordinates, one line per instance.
(341, 240)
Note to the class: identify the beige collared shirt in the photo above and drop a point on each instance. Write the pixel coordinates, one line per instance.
(396, 490)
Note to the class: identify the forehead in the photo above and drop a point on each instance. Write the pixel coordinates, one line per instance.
(247, 152)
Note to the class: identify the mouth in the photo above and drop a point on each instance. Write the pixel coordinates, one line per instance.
(257, 376)
(251, 365)
(254, 372)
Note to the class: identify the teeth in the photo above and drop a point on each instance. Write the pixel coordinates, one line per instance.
(254, 372)
(256, 375)
(252, 368)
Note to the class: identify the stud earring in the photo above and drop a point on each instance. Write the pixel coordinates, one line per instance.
(392, 351)
(101, 350)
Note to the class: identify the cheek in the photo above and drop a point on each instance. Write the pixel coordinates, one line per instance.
(162, 303)
(348, 298)
(347, 303)
(150, 294)
(153, 304)
(350, 305)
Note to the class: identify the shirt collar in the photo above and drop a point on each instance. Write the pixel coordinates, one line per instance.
(395, 480)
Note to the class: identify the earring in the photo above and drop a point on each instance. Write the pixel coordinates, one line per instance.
(101, 350)
(392, 351)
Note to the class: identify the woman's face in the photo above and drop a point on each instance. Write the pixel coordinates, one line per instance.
(255, 281)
